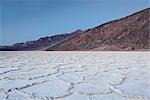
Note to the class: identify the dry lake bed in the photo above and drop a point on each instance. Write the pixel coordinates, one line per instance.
(74, 75)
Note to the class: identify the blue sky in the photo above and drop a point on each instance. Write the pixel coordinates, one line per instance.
(23, 20)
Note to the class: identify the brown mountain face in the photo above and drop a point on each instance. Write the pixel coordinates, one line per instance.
(129, 33)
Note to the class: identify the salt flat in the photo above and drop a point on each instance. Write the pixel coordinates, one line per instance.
(74, 75)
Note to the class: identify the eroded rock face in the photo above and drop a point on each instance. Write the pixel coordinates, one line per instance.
(129, 33)
(74, 75)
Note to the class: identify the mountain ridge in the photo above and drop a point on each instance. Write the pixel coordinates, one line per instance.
(127, 33)
(132, 31)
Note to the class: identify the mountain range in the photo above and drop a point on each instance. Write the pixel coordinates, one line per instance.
(125, 34)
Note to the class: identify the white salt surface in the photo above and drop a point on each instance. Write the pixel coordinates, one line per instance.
(74, 75)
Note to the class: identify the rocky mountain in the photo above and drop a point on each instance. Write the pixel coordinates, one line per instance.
(128, 33)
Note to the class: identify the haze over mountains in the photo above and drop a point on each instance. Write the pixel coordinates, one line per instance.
(129, 33)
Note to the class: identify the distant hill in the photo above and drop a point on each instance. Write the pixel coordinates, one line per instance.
(42, 43)
(129, 33)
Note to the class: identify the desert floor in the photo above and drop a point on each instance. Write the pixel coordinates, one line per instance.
(74, 75)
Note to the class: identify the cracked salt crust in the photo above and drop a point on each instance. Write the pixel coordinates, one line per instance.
(74, 76)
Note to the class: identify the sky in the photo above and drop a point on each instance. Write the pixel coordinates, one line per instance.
(24, 20)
